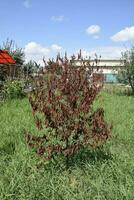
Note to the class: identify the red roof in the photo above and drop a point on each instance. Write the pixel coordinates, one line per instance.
(5, 58)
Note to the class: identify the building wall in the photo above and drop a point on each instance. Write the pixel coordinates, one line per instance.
(109, 68)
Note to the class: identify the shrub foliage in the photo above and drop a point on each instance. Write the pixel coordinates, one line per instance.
(62, 100)
(13, 89)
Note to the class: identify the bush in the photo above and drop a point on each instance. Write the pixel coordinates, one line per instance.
(62, 100)
(13, 89)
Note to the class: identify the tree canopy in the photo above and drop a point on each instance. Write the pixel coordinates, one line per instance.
(126, 74)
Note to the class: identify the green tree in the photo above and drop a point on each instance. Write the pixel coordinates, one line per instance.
(30, 68)
(126, 74)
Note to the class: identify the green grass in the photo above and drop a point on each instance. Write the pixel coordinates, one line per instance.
(106, 174)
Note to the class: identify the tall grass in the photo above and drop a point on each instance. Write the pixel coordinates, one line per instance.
(106, 174)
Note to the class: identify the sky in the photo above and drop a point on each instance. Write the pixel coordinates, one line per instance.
(44, 27)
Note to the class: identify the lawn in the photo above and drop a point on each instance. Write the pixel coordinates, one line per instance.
(106, 174)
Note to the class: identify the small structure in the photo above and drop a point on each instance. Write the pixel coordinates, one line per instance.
(5, 58)
(8, 67)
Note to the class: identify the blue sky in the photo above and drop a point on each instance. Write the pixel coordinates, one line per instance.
(43, 27)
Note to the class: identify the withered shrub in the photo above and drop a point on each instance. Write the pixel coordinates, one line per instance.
(62, 100)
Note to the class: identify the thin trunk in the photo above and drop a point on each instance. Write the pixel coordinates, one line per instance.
(132, 86)
(132, 90)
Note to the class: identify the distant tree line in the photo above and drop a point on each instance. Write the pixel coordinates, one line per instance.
(125, 75)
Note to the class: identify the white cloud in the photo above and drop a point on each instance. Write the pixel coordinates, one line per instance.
(56, 47)
(59, 18)
(35, 48)
(124, 35)
(35, 51)
(93, 29)
(107, 52)
(27, 4)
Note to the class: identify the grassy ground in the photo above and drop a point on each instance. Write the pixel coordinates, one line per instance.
(102, 175)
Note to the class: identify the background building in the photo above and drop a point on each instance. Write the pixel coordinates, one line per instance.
(107, 68)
